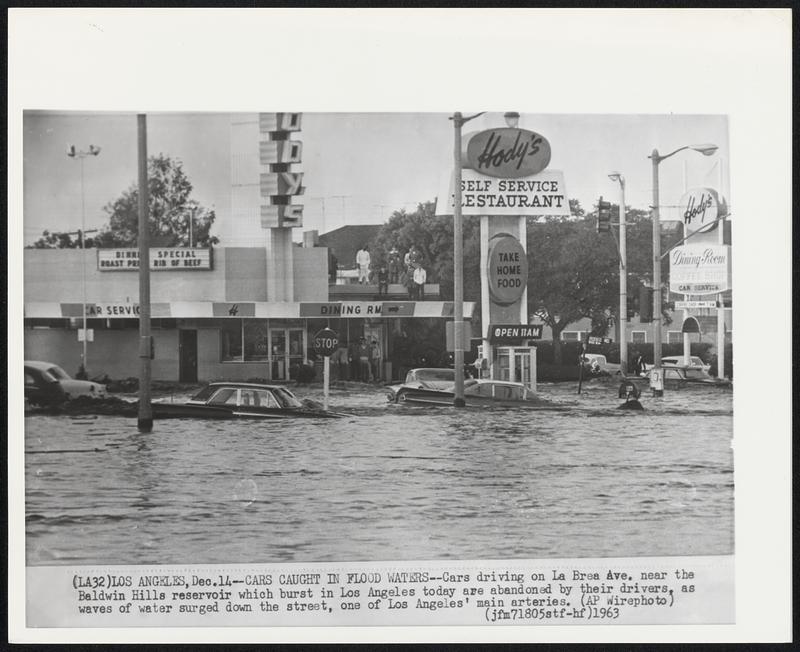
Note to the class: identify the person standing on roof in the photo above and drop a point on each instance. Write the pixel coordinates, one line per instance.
(363, 261)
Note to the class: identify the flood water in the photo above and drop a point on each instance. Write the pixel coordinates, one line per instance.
(580, 479)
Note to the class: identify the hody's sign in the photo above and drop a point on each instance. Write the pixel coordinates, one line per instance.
(507, 153)
(699, 269)
(161, 258)
(700, 210)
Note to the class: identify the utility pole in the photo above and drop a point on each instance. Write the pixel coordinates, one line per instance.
(145, 417)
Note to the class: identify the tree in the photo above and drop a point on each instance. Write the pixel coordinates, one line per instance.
(433, 236)
(572, 274)
(171, 208)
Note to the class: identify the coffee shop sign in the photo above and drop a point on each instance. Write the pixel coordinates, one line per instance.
(507, 153)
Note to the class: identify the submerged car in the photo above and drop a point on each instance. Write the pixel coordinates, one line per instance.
(477, 392)
(227, 400)
(676, 377)
(423, 378)
(48, 384)
(597, 363)
(695, 362)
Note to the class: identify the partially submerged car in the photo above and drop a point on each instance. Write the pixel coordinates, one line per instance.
(423, 378)
(695, 362)
(676, 377)
(596, 363)
(48, 384)
(232, 400)
(477, 392)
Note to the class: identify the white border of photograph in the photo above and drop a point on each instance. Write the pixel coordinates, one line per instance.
(731, 62)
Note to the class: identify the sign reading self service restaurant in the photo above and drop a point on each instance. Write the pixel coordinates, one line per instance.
(700, 269)
(161, 258)
(540, 194)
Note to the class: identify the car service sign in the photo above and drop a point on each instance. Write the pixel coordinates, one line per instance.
(699, 269)
(507, 268)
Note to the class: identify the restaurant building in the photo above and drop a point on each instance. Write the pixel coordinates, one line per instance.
(212, 314)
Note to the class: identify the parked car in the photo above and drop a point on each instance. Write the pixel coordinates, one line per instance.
(231, 400)
(477, 392)
(695, 362)
(429, 378)
(48, 384)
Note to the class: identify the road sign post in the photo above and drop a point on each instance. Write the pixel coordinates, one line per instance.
(326, 342)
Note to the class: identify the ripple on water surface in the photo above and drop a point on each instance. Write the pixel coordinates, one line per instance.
(575, 478)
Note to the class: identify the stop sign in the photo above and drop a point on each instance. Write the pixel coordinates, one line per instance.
(326, 342)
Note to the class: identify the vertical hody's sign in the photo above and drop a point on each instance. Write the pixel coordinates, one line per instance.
(701, 209)
(281, 183)
(700, 269)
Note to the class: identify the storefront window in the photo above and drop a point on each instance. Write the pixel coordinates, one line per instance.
(231, 336)
(255, 340)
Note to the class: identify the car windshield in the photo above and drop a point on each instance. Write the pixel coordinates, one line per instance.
(204, 393)
(286, 398)
(59, 373)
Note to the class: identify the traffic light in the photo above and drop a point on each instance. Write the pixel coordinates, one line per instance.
(632, 305)
(645, 304)
(603, 216)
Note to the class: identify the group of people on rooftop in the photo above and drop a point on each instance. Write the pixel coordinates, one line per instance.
(407, 270)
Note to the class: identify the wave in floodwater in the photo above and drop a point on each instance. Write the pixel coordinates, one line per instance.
(576, 477)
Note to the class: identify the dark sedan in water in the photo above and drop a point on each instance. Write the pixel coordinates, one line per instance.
(227, 400)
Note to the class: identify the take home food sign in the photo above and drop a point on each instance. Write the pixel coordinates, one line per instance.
(507, 269)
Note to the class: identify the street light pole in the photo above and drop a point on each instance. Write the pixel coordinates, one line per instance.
(80, 155)
(656, 158)
(458, 268)
(623, 277)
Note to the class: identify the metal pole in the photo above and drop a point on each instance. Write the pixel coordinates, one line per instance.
(720, 301)
(191, 225)
(326, 377)
(84, 360)
(145, 420)
(623, 284)
(656, 276)
(687, 342)
(458, 267)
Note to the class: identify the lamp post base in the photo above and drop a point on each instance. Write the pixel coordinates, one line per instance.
(459, 403)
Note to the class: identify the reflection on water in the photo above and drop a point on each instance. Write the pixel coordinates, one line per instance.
(390, 482)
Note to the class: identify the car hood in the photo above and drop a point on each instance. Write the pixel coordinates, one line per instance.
(81, 387)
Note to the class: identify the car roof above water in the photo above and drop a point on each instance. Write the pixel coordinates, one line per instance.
(222, 383)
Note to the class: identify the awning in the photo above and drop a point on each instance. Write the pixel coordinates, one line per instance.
(700, 324)
(251, 309)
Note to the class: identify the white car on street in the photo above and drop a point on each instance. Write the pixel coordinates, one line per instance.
(677, 361)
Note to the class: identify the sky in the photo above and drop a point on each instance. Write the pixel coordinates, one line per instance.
(358, 167)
